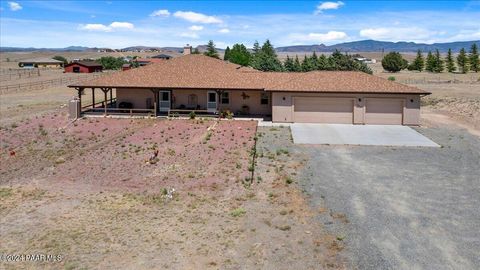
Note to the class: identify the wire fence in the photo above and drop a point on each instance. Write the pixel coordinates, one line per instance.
(40, 85)
(16, 74)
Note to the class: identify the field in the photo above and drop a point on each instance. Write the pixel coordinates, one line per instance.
(84, 190)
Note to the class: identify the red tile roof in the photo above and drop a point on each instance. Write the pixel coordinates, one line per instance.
(203, 72)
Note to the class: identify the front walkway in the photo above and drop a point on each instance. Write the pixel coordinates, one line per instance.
(343, 134)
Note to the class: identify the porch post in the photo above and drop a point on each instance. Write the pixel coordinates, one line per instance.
(155, 95)
(111, 98)
(93, 97)
(219, 98)
(80, 90)
(105, 91)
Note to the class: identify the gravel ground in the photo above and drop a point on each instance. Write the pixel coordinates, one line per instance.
(401, 208)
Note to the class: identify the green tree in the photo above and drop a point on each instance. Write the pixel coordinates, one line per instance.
(450, 62)
(288, 64)
(462, 61)
(339, 61)
(110, 62)
(265, 58)
(418, 63)
(297, 67)
(239, 55)
(60, 58)
(439, 65)
(227, 54)
(473, 58)
(314, 60)
(393, 62)
(211, 50)
(322, 63)
(307, 64)
(430, 64)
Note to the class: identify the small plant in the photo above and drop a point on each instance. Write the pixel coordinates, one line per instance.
(391, 78)
(192, 115)
(238, 212)
(288, 180)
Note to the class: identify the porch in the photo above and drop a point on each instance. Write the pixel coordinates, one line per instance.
(179, 102)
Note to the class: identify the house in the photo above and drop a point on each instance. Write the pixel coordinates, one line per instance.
(366, 60)
(162, 56)
(145, 61)
(40, 63)
(83, 67)
(198, 82)
(126, 67)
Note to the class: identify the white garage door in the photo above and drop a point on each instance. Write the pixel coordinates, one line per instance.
(323, 110)
(384, 111)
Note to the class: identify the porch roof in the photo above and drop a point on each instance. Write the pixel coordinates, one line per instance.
(202, 72)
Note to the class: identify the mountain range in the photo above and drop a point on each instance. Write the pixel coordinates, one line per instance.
(355, 46)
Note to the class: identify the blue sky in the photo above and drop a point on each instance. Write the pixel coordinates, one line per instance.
(118, 24)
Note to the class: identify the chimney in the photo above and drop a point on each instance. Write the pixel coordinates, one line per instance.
(187, 49)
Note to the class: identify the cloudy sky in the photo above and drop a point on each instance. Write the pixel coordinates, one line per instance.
(118, 24)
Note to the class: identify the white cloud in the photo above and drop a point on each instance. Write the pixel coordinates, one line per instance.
(398, 33)
(196, 17)
(320, 37)
(189, 35)
(196, 28)
(160, 13)
(224, 30)
(106, 28)
(14, 6)
(328, 5)
(121, 25)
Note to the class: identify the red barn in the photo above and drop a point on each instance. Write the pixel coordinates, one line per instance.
(83, 67)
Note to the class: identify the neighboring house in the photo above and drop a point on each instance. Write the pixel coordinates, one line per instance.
(145, 61)
(83, 67)
(366, 60)
(162, 56)
(40, 63)
(198, 82)
(126, 67)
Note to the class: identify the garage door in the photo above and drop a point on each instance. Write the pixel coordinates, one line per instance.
(323, 110)
(384, 111)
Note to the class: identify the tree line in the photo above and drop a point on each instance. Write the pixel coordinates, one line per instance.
(265, 58)
(394, 62)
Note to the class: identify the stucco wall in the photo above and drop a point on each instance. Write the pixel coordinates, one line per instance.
(138, 97)
(282, 105)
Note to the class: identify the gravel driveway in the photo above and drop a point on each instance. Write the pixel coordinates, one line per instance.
(401, 208)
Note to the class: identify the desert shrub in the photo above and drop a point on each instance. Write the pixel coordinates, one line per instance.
(391, 78)
(238, 212)
(192, 115)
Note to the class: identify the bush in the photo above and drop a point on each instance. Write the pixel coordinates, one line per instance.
(192, 115)
(391, 78)
(394, 62)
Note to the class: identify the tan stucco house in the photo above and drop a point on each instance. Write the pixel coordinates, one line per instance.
(201, 83)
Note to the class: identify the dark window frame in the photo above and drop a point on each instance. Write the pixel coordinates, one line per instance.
(223, 98)
(264, 99)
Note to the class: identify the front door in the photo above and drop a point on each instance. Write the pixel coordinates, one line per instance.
(164, 97)
(211, 101)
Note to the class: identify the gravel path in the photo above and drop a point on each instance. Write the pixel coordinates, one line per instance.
(402, 208)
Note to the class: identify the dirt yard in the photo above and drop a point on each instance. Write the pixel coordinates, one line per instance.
(84, 191)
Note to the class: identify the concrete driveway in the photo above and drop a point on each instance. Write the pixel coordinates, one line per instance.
(343, 134)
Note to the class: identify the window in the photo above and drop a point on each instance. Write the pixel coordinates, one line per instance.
(164, 96)
(225, 98)
(264, 99)
(212, 97)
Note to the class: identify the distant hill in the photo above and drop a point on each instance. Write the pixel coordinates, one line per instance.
(378, 46)
(355, 46)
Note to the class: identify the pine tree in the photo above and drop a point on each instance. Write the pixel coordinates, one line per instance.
(473, 58)
(211, 50)
(430, 64)
(227, 54)
(419, 62)
(462, 61)
(288, 64)
(314, 59)
(322, 63)
(256, 48)
(439, 67)
(266, 58)
(297, 67)
(307, 64)
(239, 55)
(450, 62)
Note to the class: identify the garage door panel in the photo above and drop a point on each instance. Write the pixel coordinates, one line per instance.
(323, 110)
(384, 111)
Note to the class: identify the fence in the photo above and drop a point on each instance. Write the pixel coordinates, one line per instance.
(4, 89)
(15, 74)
